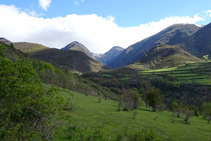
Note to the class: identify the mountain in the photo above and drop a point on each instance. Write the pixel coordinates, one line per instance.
(70, 59)
(134, 52)
(110, 55)
(199, 43)
(29, 47)
(166, 56)
(75, 45)
(5, 41)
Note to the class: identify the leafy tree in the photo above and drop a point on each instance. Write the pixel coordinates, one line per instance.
(205, 58)
(176, 107)
(188, 112)
(153, 97)
(27, 110)
(195, 109)
(206, 108)
(130, 98)
(11, 45)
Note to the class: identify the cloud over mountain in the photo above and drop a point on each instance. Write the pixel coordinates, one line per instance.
(97, 33)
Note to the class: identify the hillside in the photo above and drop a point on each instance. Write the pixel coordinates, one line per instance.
(106, 123)
(110, 55)
(199, 44)
(29, 47)
(70, 59)
(137, 50)
(75, 45)
(5, 41)
(166, 56)
(57, 76)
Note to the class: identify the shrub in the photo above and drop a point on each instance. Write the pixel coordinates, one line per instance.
(206, 109)
(153, 97)
(27, 109)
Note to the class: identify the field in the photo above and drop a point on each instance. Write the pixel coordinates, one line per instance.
(197, 73)
(88, 117)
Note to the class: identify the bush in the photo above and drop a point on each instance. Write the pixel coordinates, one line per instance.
(153, 96)
(27, 109)
(206, 109)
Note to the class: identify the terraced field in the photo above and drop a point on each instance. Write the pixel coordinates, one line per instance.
(197, 73)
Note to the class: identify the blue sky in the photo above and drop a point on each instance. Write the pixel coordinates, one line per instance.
(98, 24)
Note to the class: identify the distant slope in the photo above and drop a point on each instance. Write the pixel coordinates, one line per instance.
(137, 50)
(29, 47)
(70, 59)
(110, 55)
(75, 45)
(166, 56)
(5, 41)
(199, 43)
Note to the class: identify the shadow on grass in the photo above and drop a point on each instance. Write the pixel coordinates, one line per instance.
(146, 109)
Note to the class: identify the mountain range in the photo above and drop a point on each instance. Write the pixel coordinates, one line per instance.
(175, 45)
(137, 50)
(74, 57)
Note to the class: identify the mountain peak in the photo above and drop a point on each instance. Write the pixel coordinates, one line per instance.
(110, 55)
(75, 45)
(3, 40)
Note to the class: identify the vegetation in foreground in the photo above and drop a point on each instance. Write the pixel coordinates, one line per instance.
(103, 121)
(28, 111)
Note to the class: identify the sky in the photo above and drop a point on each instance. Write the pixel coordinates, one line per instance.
(98, 24)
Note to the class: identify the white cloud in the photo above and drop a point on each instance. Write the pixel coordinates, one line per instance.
(78, 2)
(209, 12)
(98, 34)
(45, 4)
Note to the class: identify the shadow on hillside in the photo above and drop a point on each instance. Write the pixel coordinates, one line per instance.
(70, 59)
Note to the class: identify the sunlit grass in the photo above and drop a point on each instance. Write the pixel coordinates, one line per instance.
(90, 115)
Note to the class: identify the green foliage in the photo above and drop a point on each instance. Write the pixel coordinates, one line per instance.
(143, 135)
(130, 98)
(176, 107)
(27, 109)
(11, 45)
(153, 96)
(2, 50)
(205, 58)
(89, 116)
(195, 109)
(206, 107)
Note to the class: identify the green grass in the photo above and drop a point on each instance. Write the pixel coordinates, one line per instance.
(90, 116)
(107, 75)
(198, 72)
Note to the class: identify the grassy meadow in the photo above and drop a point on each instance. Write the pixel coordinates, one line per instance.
(197, 73)
(89, 117)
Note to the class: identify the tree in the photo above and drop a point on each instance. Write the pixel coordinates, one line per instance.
(27, 110)
(188, 112)
(130, 98)
(205, 58)
(206, 108)
(176, 107)
(153, 97)
(11, 45)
